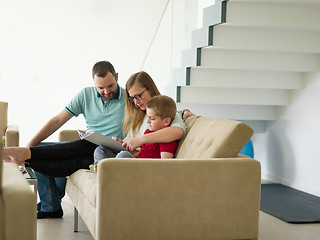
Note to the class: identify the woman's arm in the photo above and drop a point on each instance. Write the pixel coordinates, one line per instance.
(165, 135)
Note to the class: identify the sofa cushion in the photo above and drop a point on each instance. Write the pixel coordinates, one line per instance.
(214, 138)
(1, 159)
(86, 181)
(18, 205)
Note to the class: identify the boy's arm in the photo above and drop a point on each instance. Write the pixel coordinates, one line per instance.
(166, 155)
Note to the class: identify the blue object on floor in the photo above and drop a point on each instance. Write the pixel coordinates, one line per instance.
(248, 149)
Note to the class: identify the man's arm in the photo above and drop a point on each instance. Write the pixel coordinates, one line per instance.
(50, 127)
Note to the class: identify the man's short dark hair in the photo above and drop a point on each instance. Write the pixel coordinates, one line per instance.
(102, 68)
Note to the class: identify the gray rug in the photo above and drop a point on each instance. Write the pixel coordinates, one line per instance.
(290, 205)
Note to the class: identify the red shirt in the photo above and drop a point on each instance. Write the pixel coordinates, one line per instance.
(153, 150)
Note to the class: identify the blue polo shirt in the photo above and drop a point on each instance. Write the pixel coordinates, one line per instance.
(105, 117)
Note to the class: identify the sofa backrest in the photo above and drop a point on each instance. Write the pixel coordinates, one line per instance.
(3, 117)
(1, 160)
(213, 138)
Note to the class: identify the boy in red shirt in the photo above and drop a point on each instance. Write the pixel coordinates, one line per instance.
(161, 111)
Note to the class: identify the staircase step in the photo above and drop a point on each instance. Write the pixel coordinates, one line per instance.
(179, 77)
(199, 38)
(266, 38)
(189, 57)
(297, 14)
(259, 60)
(229, 78)
(214, 14)
(236, 112)
(234, 96)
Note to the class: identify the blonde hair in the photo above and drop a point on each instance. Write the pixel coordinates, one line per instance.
(163, 106)
(134, 116)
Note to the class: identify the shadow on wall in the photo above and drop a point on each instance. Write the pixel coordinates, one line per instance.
(280, 159)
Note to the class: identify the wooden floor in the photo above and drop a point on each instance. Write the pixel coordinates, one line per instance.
(271, 228)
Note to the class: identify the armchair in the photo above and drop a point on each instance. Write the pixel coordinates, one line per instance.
(10, 132)
(17, 203)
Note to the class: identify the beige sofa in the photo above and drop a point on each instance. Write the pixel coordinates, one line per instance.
(207, 192)
(17, 204)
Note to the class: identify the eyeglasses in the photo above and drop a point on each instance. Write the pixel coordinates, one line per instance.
(137, 97)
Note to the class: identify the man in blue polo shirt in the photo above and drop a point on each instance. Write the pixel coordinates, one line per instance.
(103, 107)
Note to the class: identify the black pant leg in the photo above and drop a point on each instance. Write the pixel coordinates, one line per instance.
(62, 159)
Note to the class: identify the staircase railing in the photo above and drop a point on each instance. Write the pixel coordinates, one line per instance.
(154, 35)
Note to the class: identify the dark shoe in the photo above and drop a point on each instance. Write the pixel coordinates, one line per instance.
(56, 214)
(38, 206)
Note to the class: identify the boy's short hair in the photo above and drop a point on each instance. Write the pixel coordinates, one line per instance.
(163, 106)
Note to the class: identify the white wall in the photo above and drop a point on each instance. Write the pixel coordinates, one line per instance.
(289, 150)
(48, 48)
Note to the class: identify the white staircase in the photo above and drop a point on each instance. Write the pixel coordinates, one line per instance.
(247, 66)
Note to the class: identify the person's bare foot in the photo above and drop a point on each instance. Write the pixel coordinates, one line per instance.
(16, 155)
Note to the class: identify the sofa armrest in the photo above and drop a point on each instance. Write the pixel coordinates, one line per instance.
(178, 198)
(12, 136)
(19, 205)
(68, 135)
